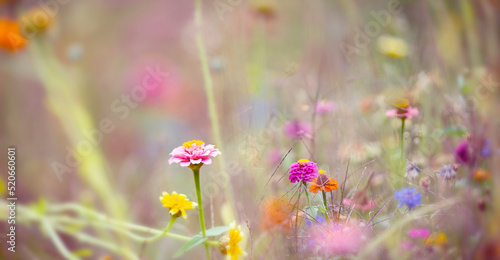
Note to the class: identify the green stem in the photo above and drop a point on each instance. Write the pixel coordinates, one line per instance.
(307, 194)
(169, 226)
(325, 203)
(196, 173)
(82, 237)
(95, 220)
(401, 141)
(49, 230)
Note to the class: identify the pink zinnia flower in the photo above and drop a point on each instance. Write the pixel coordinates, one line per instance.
(419, 232)
(297, 129)
(303, 170)
(407, 112)
(325, 107)
(193, 154)
(403, 110)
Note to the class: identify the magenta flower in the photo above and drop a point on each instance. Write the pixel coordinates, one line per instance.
(303, 170)
(462, 152)
(297, 129)
(193, 154)
(324, 107)
(419, 232)
(403, 113)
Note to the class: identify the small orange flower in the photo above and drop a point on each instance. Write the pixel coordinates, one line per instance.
(323, 183)
(10, 35)
(275, 212)
(481, 175)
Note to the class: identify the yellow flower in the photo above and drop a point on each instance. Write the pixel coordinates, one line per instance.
(229, 244)
(177, 204)
(392, 46)
(436, 239)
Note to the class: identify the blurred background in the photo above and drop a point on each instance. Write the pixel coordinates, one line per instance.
(96, 94)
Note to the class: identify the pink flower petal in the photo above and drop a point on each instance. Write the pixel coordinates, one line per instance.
(185, 164)
(207, 161)
(198, 161)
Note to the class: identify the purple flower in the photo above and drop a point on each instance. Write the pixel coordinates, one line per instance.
(448, 172)
(408, 196)
(303, 170)
(462, 154)
(486, 149)
(297, 129)
(412, 171)
(319, 220)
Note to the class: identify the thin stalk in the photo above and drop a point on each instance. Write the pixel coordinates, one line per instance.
(212, 109)
(401, 141)
(122, 230)
(305, 191)
(97, 220)
(116, 248)
(57, 241)
(169, 226)
(326, 204)
(196, 173)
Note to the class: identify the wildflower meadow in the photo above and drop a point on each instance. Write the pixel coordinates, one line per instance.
(257, 129)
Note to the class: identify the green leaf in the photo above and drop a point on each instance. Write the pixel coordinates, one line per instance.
(215, 231)
(194, 241)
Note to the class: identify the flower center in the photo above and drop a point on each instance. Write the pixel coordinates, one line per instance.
(303, 161)
(401, 104)
(322, 179)
(189, 144)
